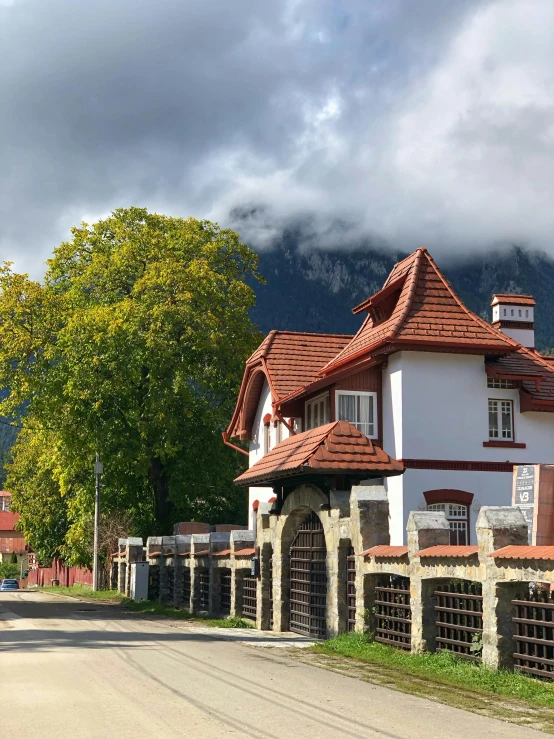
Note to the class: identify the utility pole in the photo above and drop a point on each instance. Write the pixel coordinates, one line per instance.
(98, 469)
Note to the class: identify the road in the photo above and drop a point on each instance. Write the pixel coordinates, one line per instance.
(74, 670)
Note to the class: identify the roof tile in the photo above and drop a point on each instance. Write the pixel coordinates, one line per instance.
(318, 449)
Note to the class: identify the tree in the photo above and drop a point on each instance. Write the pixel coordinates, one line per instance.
(133, 346)
(13, 559)
(9, 571)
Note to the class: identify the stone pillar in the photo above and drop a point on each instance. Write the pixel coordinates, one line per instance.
(369, 512)
(265, 584)
(237, 584)
(166, 572)
(499, 527)
(424, 529)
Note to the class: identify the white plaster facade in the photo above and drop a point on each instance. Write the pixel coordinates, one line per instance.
(435, 407)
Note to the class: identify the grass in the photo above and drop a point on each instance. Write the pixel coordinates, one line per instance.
(84, 591)
(159, 609)
(442, 668)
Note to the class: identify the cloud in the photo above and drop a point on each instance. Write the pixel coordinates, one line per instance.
(402, 122)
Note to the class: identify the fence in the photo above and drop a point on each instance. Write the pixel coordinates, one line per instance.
(249, 589)
(392, 611)
(534, 633)
(58, 571)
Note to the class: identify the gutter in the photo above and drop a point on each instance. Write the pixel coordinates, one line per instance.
(226, 441)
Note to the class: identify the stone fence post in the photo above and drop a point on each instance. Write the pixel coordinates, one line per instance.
(424, 529)
(369, 512)
(199, 543)
(181, 561)
(122, 566)
(498, 527)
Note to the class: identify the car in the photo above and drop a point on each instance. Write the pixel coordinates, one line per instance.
(9, 584)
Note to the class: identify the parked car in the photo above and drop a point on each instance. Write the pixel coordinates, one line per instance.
(9, 584)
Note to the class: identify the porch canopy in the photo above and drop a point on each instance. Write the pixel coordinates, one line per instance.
(336, 449)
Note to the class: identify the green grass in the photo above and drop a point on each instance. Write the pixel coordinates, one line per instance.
(159, 609)
(442, 668)
(84, 591)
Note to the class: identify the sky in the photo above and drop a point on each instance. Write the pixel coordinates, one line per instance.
(405, 122)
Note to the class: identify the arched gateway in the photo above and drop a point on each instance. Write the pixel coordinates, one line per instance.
(308, 580)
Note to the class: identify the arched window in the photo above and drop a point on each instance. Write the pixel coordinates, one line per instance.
(456, 505)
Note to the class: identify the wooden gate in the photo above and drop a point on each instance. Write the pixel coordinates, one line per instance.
(308, 580)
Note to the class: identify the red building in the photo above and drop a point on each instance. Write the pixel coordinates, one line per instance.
(10, 540)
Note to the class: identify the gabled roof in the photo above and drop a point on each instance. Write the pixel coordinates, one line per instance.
(289, 360)
(8, 520)
(336, 448)
(427, 313)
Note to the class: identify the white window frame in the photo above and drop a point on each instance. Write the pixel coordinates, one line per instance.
(313, 402)
(499, 383)
(457, 515)
(500, 436)
(364, 393)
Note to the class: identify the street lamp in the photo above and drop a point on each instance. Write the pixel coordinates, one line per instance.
(98, 470)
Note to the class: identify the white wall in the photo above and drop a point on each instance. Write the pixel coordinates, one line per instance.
(435, 406)
(256, 448)
(445, 413)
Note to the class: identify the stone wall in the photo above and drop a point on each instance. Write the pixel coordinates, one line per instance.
(191, 567)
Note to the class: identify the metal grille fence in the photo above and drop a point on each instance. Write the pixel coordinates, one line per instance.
(154, 582)
(225, 591)
(351, 589)
(308, 580)
(534, 633)
(204, 590)
(249, 591)
(459, 618)
(393, 614)
(186, 586)
(170, 584)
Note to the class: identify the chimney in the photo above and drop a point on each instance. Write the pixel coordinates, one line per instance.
(514, 315)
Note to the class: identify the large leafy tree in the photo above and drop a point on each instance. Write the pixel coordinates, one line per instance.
(132, 346)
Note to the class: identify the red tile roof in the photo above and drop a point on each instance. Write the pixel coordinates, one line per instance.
(448, 550)
(523, 552)
(289, 360)
(384, 550)
(535, 372)
(8, 520)
(222, 553)
(337, 448)
(426, 311)
(245, 552)
(513, 298)
(293, 359)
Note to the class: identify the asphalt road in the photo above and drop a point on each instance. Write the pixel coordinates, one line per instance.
(73, 670)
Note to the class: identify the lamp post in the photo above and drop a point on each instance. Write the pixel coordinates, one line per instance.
(98, 469)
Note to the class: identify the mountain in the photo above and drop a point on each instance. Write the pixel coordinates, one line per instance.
(314, 290)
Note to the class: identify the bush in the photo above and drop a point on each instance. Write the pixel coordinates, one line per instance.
(9, 571)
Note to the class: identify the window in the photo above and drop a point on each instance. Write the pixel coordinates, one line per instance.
(278, 432)
(360, 409)
(457, 515)
(501, 419)
(267, 438)
(504, 311)
(497, 382)
(4, 503)
(317, 412)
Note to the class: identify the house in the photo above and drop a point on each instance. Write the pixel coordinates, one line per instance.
(451, 401)
(10, 540)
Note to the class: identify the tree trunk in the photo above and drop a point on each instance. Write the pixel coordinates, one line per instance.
(162, 505)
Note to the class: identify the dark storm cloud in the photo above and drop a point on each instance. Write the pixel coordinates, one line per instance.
(425, 121)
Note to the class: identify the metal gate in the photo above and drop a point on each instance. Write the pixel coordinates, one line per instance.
(308, 580)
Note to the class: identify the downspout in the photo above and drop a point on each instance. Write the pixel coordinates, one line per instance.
(233, 446)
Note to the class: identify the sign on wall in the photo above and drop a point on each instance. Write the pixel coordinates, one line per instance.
(524, 494)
